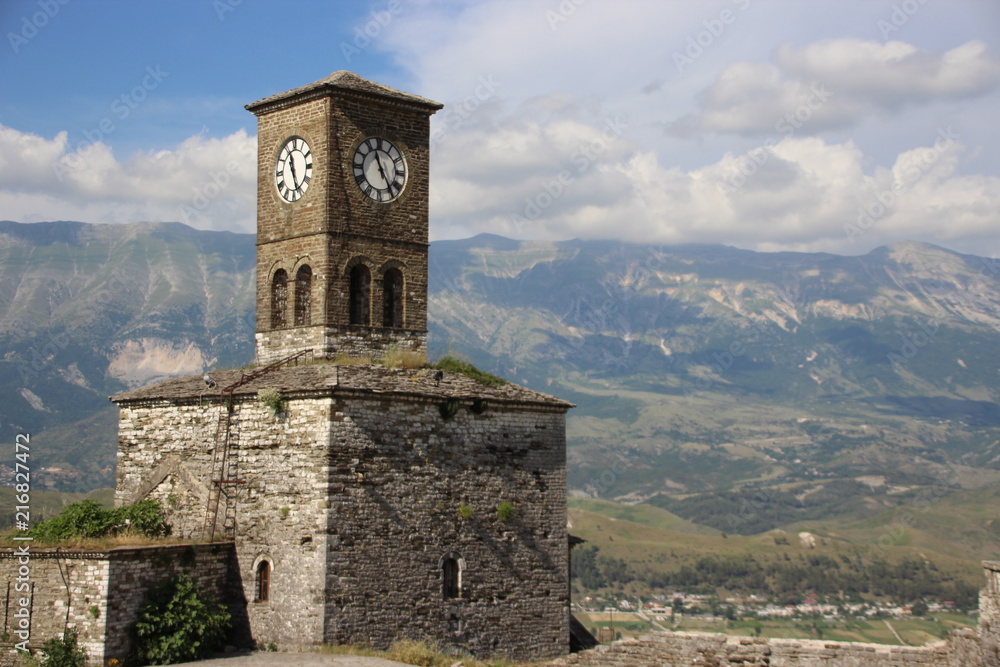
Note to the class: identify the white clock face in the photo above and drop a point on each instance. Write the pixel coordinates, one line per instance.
(293, 169)
(379, 169)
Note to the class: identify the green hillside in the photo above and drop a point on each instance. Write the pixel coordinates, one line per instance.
(718, 390)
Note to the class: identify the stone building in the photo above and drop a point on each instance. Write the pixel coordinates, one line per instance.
(365, 503)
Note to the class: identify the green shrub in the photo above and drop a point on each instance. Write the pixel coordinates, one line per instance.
(145, 517)
(88, 519)
(505, 510)
(448, 409)
(455, 365)
(64, 652)
(466, 511)
(271, 399)
(177, 624)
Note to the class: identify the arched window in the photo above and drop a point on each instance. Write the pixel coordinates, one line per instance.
(303, 296)
(451, 576)
(279, 298)
(392, 304)
(263, 581)
(361, 283)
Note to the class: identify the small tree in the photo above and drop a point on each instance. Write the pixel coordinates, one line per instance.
(177, 624)
(64, 652)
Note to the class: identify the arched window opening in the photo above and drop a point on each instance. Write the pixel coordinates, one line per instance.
(279, 298)
(392, 289)
(303, 296)
(361, 283)
(263, 581)
(451, 577)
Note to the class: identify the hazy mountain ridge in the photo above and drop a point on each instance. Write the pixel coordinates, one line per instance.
(706, 376)
(86, 310)
(703, 374)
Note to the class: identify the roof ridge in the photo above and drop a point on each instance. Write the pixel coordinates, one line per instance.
(349, 81)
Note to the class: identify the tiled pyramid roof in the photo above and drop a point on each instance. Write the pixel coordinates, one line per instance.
(333, 379)
(344, 80)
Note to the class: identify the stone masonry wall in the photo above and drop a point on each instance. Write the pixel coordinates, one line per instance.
(354, 500)
(400, 472)
(133, 571)
(989, 615)
(63, 588)
(327, 342)
(281, 504)
(100, 593)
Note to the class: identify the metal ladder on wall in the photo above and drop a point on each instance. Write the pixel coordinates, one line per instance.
(225, 479)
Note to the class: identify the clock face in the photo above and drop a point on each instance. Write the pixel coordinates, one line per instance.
(293, 169)
(379, 169)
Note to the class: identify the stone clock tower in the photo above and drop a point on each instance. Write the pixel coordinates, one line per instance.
(371, 503)
(342, 183)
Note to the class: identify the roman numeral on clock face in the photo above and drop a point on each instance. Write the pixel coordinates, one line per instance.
(379, 169)
(293, 169)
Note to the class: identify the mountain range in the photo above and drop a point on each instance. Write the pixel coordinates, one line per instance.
(743, 391)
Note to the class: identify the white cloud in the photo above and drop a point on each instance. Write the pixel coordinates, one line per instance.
(802, 193)
(842, 82)
(207, 183)
(524, 146)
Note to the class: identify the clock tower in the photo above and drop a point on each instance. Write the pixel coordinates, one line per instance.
(342, 219)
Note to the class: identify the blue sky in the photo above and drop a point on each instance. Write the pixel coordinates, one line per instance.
(832, 125)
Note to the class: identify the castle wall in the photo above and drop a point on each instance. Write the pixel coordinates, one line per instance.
(965, 647)
(63, 590)
(667, 649)
(101, 592)
(989, 615)
(399, 475)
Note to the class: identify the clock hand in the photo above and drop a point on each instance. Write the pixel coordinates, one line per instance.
(291, 165)
(381, 170)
